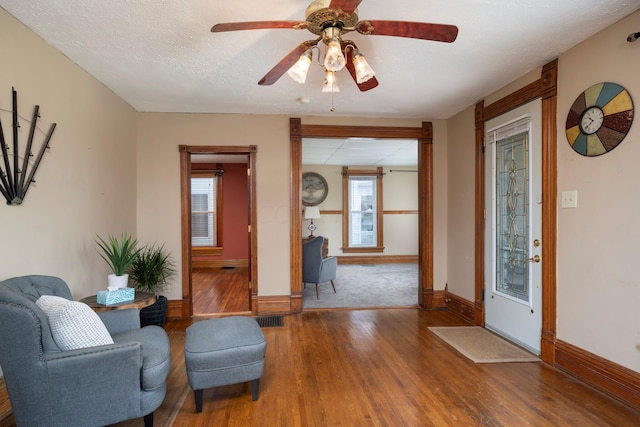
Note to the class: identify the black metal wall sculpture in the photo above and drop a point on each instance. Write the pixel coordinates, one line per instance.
(14, 181)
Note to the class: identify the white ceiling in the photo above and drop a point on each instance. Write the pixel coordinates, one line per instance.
(360, 152)
(341, 152)
(160, 56)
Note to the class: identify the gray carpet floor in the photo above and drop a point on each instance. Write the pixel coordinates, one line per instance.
(358, 286)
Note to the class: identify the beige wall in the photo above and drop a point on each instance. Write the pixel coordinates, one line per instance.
(598, 281)
(400, 192)
(86, 183)
(597, 284)
(111, 170)
(329, 226)
(159, 183)
(159, 136)
(440, 203)
(461, 204)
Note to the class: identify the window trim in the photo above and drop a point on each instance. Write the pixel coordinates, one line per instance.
(210, 172)
(346, 173)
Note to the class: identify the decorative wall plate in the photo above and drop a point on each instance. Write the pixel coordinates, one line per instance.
(314, 189)
(599, 119)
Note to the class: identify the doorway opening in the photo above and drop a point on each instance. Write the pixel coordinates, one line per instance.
(424, 136)
(367, 215)
(218, 230)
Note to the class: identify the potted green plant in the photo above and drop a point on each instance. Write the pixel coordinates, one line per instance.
(150, 271)
(119, 254)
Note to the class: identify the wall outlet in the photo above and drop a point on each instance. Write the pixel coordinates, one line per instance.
(569, 199)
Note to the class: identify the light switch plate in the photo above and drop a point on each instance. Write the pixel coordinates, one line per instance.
(569, 199)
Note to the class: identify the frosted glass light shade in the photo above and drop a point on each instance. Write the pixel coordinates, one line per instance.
(300, 69)
(364, 72)
(330, 82)
(334, 60)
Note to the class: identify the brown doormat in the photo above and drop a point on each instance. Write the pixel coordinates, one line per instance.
(482, 345)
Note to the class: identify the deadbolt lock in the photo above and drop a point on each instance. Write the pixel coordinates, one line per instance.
(536, 243)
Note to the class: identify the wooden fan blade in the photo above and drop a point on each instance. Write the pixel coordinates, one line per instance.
(287, 62)
(415, 30)
(348, 6)
(258, 25)
(365, 86)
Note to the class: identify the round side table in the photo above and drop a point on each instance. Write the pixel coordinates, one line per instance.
(141, 300)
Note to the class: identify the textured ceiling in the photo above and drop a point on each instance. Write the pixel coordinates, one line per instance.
(160, 56)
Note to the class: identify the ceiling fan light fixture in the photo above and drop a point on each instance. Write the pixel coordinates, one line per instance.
(300, 69)
(364, 72)
(330, 82)
(334, 60)
(331, 20)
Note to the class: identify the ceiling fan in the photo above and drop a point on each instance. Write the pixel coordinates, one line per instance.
(330, 20)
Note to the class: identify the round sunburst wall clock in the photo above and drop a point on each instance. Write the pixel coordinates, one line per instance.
(599, 119)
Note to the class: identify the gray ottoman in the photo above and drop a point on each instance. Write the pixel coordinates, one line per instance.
(224, 351)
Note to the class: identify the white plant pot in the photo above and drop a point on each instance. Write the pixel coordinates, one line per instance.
(118, 281)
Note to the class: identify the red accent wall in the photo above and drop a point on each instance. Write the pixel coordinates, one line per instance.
(235, 212)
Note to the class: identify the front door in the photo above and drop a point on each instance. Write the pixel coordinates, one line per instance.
(513, 201)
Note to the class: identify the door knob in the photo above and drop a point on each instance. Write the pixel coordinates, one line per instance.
(535, 258)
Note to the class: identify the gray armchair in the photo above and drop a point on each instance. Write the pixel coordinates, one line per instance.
(92, 386)
(316, 269)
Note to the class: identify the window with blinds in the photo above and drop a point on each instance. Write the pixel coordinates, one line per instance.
(203, 211)
(363, 211)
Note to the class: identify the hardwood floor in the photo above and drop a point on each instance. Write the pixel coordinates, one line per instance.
(220, 290)
(383, 368)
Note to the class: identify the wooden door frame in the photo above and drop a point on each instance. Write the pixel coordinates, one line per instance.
(185, 210)
(545, 88)
(424, 136)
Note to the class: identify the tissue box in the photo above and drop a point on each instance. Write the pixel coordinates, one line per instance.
(117, 296)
